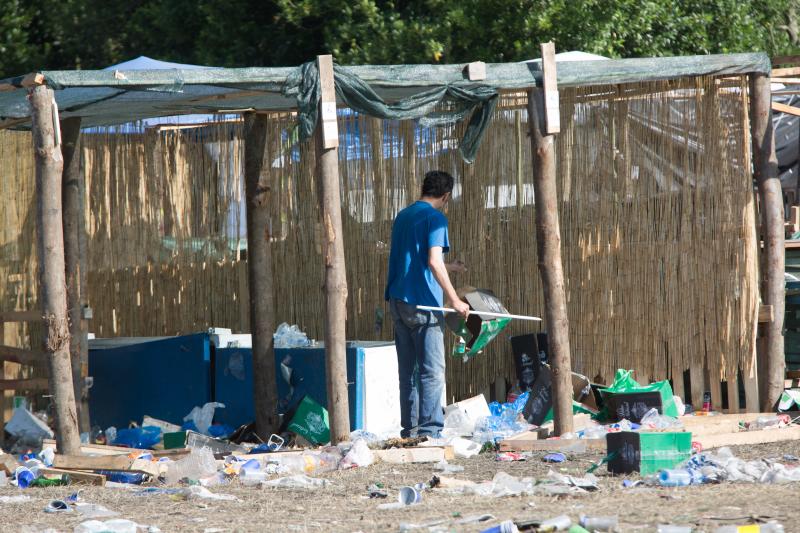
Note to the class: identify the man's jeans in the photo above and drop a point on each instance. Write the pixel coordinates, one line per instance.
(419, 339)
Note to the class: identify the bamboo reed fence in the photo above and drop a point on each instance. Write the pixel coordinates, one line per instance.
(657, 217)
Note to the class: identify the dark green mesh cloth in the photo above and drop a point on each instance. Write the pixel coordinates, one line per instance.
(479, 102)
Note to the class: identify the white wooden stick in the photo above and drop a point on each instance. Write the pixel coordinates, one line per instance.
(483, 313)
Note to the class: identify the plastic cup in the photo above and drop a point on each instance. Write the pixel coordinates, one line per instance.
(409, 496)
(24, 477)
(251, 477)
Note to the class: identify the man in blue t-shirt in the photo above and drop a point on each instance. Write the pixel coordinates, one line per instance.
(418, 275)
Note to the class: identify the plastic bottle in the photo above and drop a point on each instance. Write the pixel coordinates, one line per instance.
(309, 463)
(461, 347)
(599, 523)
(507, 526)
(674, 478)
(250, 477)
(132, 478)
(771, 527)
(198, 464)
(559, 523)
(669, 528)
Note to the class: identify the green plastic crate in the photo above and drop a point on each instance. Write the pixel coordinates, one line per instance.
(647, 452)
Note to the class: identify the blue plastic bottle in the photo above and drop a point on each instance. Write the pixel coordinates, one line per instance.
(674, 478)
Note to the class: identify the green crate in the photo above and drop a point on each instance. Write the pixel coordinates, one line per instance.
(647, 452)
(173, 440)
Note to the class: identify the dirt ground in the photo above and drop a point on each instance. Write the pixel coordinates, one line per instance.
(345, 506)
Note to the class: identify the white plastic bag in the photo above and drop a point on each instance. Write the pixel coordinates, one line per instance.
(203, 416)
(359, 455)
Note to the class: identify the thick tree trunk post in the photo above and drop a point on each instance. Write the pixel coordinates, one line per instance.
(548, 240)
(73, 204)
(259, 272)
(49, 164)
(333, 254)
(765, 165)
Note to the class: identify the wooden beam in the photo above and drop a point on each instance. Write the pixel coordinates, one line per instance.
(76, 476)
(49, 164)
(259, 271)
(548, 242)
(411, 455)
(566, 445)
(552, 115)
(21, 316)
(741, 438)
(782, 72)
(22, 356)
(105, 462)
(785, 108)
(785, 60)
(766, 314)
(23, 82)
(335, 318)
(25, 384)
(72, 207)
(771, 361)
(475, 71)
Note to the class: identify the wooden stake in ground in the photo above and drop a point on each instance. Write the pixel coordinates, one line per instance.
(259, 271)
(333, 254)
(72, 206)
(49, 164)
(548, 238)
(765, 164)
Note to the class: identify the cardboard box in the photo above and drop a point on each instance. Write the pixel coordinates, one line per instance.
(647, 452)
(474, 408)
(478, 330)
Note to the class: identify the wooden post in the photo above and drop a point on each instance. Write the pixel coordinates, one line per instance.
(73, 205)
(259, 271)
(49, 164)
(548, 240)
(765, 165)
(333, 254)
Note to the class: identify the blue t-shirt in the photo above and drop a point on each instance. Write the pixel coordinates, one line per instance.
(417, 229)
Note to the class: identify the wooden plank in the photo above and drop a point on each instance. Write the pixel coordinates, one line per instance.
(32, 315)
(8, 463)
(100, 462)
(76, 476)
(718, 424)
(715, 387)
(25, 384)
(567, 445)
(751, 398)
(552, 115)
(27, 81)
(748, 437)
(766, 313)
(410, 455)
(105, 449)
(22, 356)
(785, 108)
(790, 71)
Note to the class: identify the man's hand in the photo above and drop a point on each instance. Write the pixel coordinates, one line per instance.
(461, 307)
(456, 266)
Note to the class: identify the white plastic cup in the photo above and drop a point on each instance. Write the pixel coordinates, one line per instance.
(559, 523)
(409, 496)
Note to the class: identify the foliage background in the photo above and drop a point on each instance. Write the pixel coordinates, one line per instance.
(84, 34)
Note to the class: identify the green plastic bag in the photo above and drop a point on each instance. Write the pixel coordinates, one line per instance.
(624, 382)
(576, 408)
(489, 330)
(310, 420)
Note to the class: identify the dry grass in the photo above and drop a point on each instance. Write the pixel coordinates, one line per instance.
(344, 505)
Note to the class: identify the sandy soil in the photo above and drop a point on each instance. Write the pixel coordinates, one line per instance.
(345, 505)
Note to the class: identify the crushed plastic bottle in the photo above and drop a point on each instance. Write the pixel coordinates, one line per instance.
(653, 420)
(310, 462)
(200, 463)
(559, 523)
(109, 526)
(287, 336)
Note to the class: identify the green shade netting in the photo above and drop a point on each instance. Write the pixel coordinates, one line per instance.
(477, 101)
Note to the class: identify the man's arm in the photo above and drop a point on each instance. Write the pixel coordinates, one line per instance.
(439, 270)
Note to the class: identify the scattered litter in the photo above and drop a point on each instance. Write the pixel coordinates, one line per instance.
(513, 456)
(507, 526)
(554, 458)
(200, 463)
(465, 448)
(599, 523)
(559, 523)
(202, 417)
(301, 481)
(93, 510)
(197, 492)
(377, 491)
(57, 506)
(359, 455)
(117, 525)
(287, 336)
(447, 468)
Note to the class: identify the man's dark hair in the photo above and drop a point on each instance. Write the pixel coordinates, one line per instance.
(437, 183)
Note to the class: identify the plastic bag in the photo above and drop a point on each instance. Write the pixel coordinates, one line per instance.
(142, 438)
(359, 455)
(203, 416)
(456, 424)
